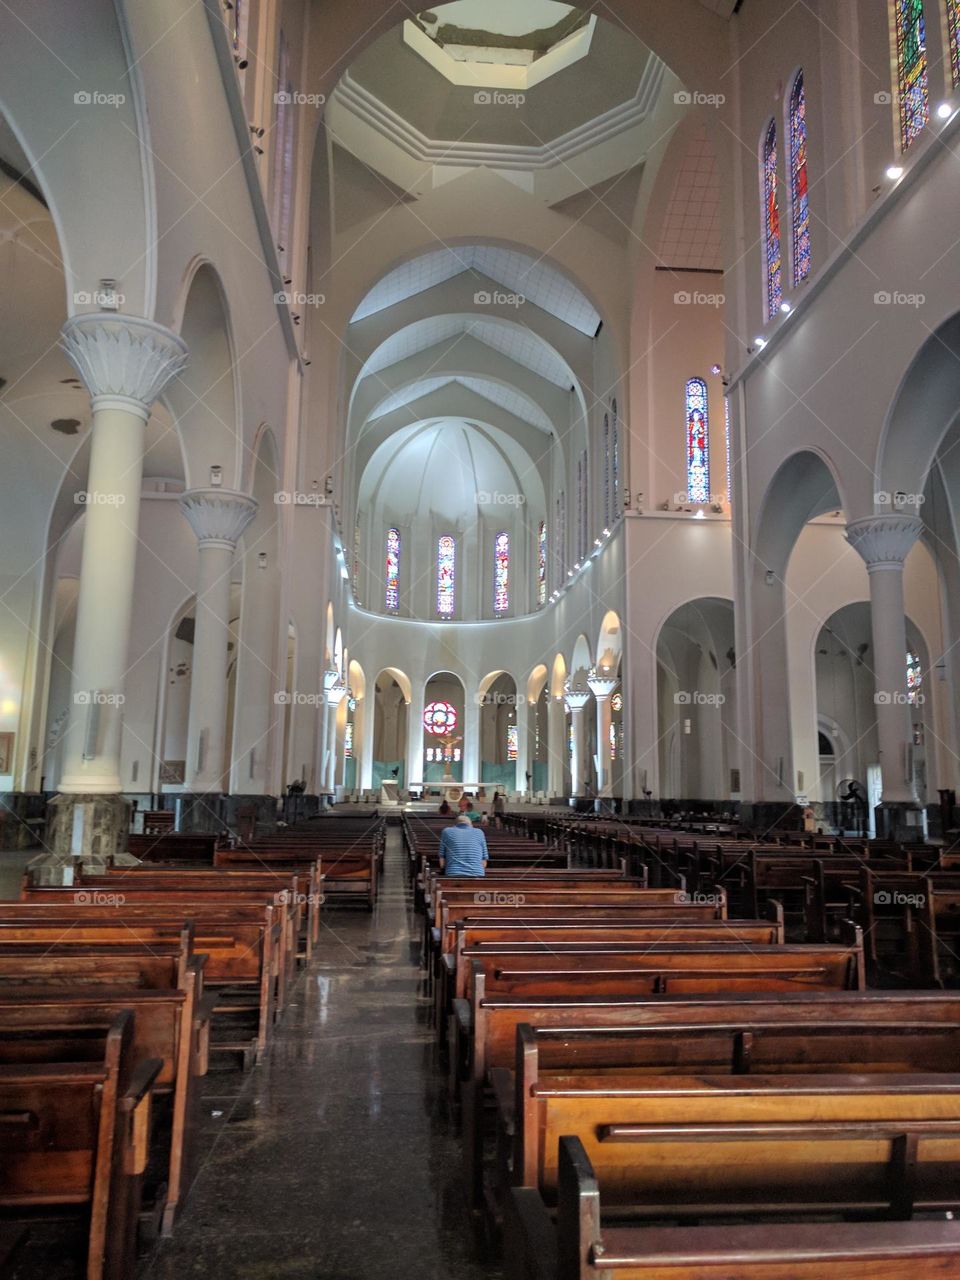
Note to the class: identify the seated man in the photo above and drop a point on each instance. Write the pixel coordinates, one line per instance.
(463, 849)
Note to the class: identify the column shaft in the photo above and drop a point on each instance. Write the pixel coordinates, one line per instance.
(206, 735)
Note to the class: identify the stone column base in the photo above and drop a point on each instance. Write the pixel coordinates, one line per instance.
(900, 821)
(85, 829)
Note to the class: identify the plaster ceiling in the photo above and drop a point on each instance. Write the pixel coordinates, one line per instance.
(507, 398)
(692, 234)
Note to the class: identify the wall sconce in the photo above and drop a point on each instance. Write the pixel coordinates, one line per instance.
(216, 476)
(262, 560)
(769, 577)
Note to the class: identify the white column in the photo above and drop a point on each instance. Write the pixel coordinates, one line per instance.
(413, 769)
(523, 744)
(576, 700)
(884, 543)
(603, 686)
(556, 745)
(335, 694)
(365, 772)
(218, 517)
(125, 363)
(471, 737)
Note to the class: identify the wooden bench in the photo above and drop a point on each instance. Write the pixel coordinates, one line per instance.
(582, 1247)
(74, 1135)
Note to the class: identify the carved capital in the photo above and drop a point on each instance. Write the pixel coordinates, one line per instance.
(218, 516)
(124, 359)
(884, 542)
(576, 699)
(601, 685)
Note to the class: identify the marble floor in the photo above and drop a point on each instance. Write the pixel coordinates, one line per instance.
(335, 1159)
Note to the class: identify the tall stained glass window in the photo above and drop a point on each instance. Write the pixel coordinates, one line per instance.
(446, 575)
(799, 199)
(393, 570)
(542, 563)
(582, 507)
(501, 573)
(772, 254)
(512, 741)
(348, 740)
(698, 442)
(914, 679)
(606, 468)
(953, 25)
(726, 434)
(913, 79)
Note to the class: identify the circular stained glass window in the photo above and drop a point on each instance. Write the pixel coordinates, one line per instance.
(440, 718)
(616, 702)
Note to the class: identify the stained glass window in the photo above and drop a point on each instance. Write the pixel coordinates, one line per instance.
(726, 434)
(613, 741)
(606, 468)
(772, 256)
(953, 23)
(799, 201)
(582, 507)
(512, 741)
(356, 554)
(616, 702)
(501, 573)
(439, 718)
(615, 461)
(348, 740)
(393, 570)
(698, 442)
(542, 563)
(913, 81)
(446, 571)
(914, 679)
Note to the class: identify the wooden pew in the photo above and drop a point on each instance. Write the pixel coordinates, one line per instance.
(171, 1027)
(75, 1134)
(174, 846)
(583, 1247)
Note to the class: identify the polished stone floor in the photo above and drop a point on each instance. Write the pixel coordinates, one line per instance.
(334, 1160)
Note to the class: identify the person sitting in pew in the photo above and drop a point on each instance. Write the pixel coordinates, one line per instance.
(463, 849)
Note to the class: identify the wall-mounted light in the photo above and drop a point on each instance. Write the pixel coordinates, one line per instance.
(216, 476)
(769, 577)
(262, 560)
(894, 172)
(945, 111)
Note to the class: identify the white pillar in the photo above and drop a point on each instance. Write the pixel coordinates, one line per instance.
(884, 543)
(576, 700)
(125, 363)
(413, 768)
(218, 517)
(523, 744)
(369, 705)
(335, 694)
(603, 687)
(471, 737)
(556, 745)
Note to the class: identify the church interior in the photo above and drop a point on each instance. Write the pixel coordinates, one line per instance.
(517, 428)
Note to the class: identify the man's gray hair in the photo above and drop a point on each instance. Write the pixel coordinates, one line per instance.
(463, 821)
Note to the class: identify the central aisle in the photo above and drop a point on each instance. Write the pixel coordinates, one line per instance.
(334, 1159)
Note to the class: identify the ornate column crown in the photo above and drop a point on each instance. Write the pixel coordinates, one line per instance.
(601, 683)
(884, 542)
(123, 358)
(218, 516)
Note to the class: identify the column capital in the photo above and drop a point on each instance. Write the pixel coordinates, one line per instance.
(576, 700)
(218, 516)
(123, 360)
(602, 686)
(884, 541)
